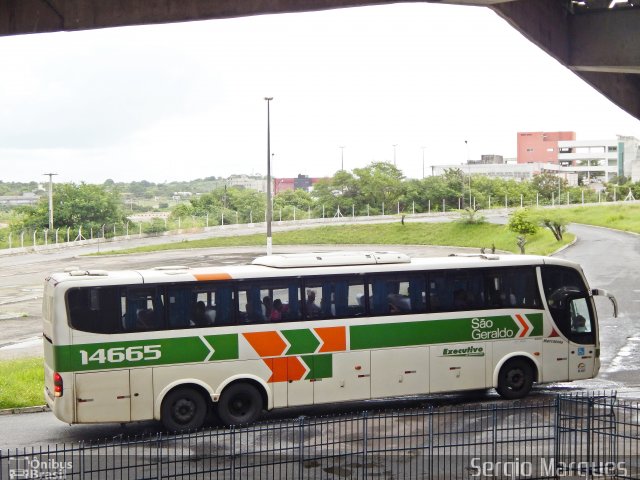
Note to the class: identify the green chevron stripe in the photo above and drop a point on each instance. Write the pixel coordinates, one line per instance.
(320, 366)
(302, 341)
(536, 321)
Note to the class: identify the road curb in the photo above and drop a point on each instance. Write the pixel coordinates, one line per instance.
(564, 247)
(35, 409)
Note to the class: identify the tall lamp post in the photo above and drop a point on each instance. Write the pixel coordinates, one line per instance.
(394, 154)
(469, 170)
(342, 158)
(269, 206)
(50, 199)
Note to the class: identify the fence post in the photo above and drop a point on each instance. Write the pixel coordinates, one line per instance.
(590, 403)
(494, 443)
(430, 458)
(556, 434)
(159, 455)
(301, 447)
(232, 431)
(365, 436)
(81, 451)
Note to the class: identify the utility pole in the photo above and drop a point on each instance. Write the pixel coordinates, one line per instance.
(50, 198)
(269, 206)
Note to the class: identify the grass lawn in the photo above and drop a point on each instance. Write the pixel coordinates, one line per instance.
(21, 383)
(620, 216)
(447, 234)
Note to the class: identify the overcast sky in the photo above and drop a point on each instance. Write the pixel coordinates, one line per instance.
(186, 101)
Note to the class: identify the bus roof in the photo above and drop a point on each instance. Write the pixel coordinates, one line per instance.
(297, 265)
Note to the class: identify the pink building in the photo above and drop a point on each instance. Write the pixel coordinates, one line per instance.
(541, 147)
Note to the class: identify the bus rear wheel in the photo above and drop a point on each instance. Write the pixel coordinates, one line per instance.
(515, 379)
(240, 403)
(183, 409)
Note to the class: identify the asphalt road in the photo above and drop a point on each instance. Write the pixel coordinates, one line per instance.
(609, 259)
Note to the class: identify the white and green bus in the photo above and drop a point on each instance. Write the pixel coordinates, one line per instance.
(175, 343)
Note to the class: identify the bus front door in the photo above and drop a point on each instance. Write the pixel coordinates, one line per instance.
(583, 362)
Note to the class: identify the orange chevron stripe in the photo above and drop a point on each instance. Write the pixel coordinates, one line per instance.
(285, 369)
(266, 344)
(295, 368)
(334, 339)
(524, 325)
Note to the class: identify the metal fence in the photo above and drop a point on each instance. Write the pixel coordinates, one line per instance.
(576, 436)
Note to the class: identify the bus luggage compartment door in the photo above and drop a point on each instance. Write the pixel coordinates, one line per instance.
(457, 367)
(103, 397)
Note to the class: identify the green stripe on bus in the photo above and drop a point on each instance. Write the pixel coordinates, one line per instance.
(320, 366)
(406, 334)
(302, 341)
(143, 353)
(536, 321)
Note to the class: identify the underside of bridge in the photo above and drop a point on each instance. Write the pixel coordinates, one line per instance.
(596, 39)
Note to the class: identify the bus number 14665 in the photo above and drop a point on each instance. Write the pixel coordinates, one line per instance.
(121, 354)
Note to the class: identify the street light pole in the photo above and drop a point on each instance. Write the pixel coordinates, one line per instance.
(469, 170)
(394, 154)
(269, 208)
(50, 199)
(342, 158)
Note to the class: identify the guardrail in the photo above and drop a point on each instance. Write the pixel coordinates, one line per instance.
(576, 436)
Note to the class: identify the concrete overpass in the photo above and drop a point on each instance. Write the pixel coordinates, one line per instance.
(597, 39)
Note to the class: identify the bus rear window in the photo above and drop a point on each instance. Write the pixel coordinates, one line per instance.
(95, 309)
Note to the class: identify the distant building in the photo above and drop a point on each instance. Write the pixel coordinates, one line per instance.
(561, 154)
(301, 182)
(251, 182)
(541, 147)
(506, 171)
(27, 198)
(602, 159)
(488, 159)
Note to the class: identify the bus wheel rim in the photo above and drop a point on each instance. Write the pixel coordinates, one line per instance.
(184, 410)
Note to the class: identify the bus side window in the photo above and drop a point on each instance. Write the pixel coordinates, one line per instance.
(144, 309)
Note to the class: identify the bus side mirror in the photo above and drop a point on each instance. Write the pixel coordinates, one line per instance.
(604, 293)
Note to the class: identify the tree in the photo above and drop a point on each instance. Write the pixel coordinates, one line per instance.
(87, 206)
(554, 222)
(522, 222)
(546, 184)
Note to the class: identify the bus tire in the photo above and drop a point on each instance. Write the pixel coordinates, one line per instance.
(240, 403)
(183, 409)
(515, 379)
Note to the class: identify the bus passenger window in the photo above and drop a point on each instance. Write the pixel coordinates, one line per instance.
(340, 297)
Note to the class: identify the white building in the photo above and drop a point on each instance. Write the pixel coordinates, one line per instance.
(594, 160)
(601, 159)
(246, 181)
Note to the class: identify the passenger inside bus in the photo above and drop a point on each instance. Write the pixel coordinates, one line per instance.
(200, 317)
(313, 310)
(580, 324)
(266, 307)
(146, 320)
(276, 312)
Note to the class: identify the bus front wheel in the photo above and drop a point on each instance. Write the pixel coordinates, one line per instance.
(240, 403)
(515, 379)
(183, 409)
